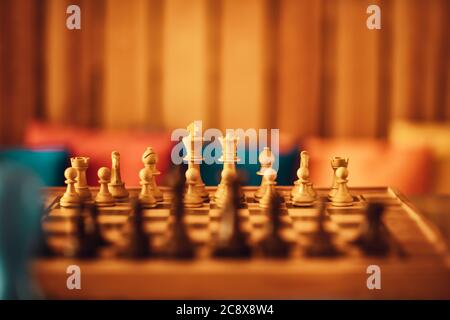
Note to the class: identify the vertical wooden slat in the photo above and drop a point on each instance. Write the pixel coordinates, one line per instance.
(435, 55)
(93, 63)
(357, 71)
(185, 70)
(126, 64)
(56, 67)
(384, 56)
(271, 61)
(214, 53)
(17, 69)
(40, 66)
(74, 63)
(155, 54)
(242, 64)
(408, 60)
(299, 67)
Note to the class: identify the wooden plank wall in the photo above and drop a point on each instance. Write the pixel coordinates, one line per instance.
(306, 67)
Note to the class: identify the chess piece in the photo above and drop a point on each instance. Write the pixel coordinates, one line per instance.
(310, 188)
(71, 198)
(146, 197)
(84, 244)
(229, 159)
(321, 244)
(97, 237)
(231, 242)
(104, 198)
(179, 244)
(194, 144)
(304, 163)
(336, 162)
(269, 177)
(374, 238)
(81, 164)
(150, 159)
(43, 249)
(138, 241)
(116, 186)
(303, 197)
(342, 197)
(273, 245)
(227, 177)
(266, 160)
(192, 198)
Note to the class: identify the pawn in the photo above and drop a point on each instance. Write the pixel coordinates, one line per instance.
(179, 244)
(273, 245)
(231, 241)
(266, 159)
(70, 198)
(342, 196)
(146, 196)
(270, 175)
(303, 197)
(104, 198)
(138, 241)
(321, 243)
(192, 199)
(374, 238)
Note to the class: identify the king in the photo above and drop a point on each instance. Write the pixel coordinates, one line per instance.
(193, 144)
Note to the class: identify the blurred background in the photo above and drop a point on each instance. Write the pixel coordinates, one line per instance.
(138, 69)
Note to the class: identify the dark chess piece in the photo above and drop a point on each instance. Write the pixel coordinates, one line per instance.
(42, 249)
(179, 244)
(273, 245)
(84, 244)
(95, 227)
(138, 245)
(231, 242)
(374, 237)
(321, 241)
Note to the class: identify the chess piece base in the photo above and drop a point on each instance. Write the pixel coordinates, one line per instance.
(84, 193)
(118, 191)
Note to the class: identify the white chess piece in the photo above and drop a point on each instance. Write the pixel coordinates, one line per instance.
(116, 186)
(150, 159)
(192, 198)
(104, 198)
(342, 196)
(303, 197)
(70, 198)
(266, 160)
(81, 164)
(146, 197)
(270, 176)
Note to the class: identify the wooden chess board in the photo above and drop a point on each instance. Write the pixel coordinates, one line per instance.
(423, 273)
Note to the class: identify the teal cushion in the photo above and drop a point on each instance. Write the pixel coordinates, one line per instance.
(47, 164)
(288, 163)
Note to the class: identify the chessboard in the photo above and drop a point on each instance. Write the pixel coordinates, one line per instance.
(419, 266)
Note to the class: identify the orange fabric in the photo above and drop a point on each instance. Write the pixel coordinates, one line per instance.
(98, 145)
(372, 163)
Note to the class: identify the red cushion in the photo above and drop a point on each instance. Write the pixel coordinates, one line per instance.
(372, 163)
(98, 145)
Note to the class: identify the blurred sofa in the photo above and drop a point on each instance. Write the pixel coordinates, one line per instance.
(434, 136)
(98, 145)
(406, 166)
